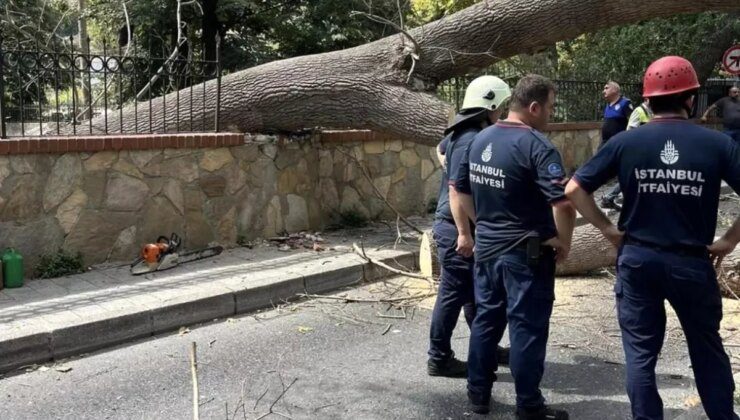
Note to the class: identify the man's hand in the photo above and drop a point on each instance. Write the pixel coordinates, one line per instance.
(719, 249)
(561, 249)
(703, 118)
(465, 245)
(613, 235)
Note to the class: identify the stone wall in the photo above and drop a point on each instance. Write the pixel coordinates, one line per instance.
(577, 142)
(105, 204)
(105, 196)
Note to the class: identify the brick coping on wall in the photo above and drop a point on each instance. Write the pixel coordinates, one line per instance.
(64, 144)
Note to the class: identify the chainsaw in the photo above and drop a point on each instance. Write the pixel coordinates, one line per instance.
(165, 254)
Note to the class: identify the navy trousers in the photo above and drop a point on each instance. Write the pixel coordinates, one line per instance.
(455, 291)
(506, 287)
(646, 277)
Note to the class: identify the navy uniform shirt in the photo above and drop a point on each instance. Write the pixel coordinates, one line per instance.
(515, 175)
(455, 144)
(670, 171)
(615, 118)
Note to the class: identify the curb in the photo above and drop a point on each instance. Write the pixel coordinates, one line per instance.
(224, 298)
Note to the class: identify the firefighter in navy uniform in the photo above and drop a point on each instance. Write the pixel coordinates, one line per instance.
(481, 107)
(512, 179)
(670, 171)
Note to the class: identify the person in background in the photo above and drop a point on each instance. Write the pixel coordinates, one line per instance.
(729, 107)
(641, 115)
(512, 179)
(482, 106)
(671, 172)
(616, 116)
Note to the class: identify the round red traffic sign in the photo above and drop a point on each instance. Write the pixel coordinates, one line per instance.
(731, 60)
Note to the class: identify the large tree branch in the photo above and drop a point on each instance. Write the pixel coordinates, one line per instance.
(516, 26)
(367, 87)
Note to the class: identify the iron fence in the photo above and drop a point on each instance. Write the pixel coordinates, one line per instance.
(575, 100)
(583, 100)
(59, 89)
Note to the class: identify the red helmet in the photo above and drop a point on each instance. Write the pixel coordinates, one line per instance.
(668, 76)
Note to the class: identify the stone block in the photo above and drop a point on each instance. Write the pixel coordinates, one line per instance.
(69, 211)
(125, 193)
(297, 218)
(215, 159)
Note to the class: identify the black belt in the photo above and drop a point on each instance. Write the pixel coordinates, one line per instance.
(689, 251)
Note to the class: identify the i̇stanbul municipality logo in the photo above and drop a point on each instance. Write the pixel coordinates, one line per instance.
(669, 154)
(487, 153)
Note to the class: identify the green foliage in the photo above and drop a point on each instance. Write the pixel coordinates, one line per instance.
(622, 53)
(27, 22)
(253, 31)
(424, 11)
(59, 264)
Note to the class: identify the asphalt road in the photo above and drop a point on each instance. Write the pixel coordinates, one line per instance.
(343, 361)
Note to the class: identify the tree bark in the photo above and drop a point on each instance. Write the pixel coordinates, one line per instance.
(369, 87)
(729, 275)
(590, 251)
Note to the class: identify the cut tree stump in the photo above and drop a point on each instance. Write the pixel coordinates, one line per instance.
(589, 251)
(428, 262)
(729, 275)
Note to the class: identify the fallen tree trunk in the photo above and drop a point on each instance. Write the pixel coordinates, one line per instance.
(589, 251)
(389, 85)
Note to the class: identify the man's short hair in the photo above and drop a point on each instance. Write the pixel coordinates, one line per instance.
(615, 85)
(670, 103)
(531, 88)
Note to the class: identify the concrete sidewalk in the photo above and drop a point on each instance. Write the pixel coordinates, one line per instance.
(57, 318)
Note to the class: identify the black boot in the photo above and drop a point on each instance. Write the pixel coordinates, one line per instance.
(502, 355)
(450, 368)
(542, 413)
(479, 404)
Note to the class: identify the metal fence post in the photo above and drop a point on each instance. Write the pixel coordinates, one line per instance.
(2, 89)
(218, 81)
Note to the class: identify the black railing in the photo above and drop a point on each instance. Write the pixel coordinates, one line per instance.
(61, 90)
(583, 100)
(575, 100)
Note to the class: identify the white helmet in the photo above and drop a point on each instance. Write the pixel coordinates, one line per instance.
(487, 92)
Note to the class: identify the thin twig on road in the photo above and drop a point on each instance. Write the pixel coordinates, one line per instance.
(282, 394)
(194, 371)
